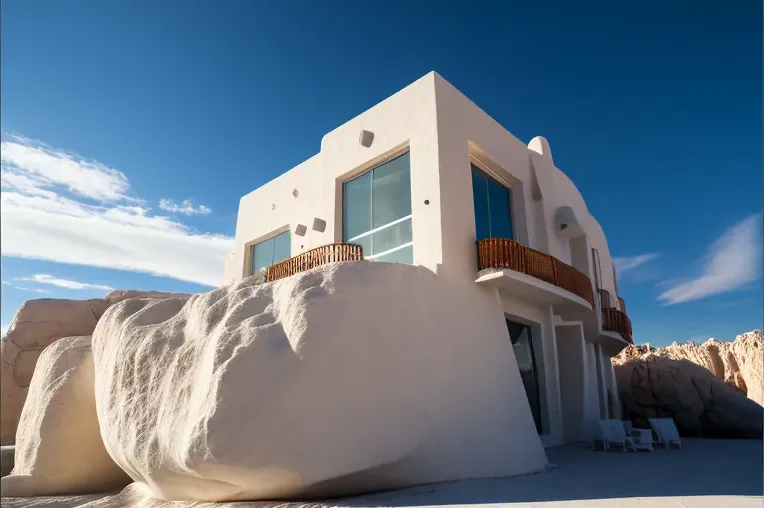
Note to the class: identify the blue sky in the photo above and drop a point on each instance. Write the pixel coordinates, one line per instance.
(131, 129)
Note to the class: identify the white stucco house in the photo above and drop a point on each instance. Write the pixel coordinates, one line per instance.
(426, 177)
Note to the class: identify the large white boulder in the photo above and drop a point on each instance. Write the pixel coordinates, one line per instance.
(37, 324)
(58, 443)
(348, 378)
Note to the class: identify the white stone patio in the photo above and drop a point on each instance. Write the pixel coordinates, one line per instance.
(704, 473)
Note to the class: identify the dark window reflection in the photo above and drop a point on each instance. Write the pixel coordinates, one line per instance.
(522, 342)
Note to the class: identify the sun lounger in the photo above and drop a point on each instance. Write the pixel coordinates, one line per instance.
(642, 439)
(666, 432)
(612, 433)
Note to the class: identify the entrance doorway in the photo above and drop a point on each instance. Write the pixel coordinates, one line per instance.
(570, 351)
(522, 343)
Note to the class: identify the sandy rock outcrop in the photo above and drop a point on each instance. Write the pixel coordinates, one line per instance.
(656, 385)
(739, 363)
(58, 445)
(119, 295)
(36, 325)
(6, 460)
(347, 378)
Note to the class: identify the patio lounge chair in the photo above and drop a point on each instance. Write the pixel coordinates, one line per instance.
(642, 439)
(611, 433)
(666, 431)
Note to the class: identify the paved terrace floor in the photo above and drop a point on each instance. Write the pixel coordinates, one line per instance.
(704, 473)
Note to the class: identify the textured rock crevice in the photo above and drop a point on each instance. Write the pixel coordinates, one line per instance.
(344, 379)
(702, 387)
(36, 325)
(58, 447)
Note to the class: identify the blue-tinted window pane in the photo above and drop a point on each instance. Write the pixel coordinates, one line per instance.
(498, 201)
(282, 247)
(356, 211)
(404, 255)
(390, 237)
(480, 198)
(391, 191)
(365, 243)
(262, 255)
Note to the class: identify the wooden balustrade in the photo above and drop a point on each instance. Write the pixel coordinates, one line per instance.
(617, 321)
(325, 254)
(621, 305)
(604, 298)
(504, 253)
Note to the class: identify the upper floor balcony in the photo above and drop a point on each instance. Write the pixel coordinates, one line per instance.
(533, 275)
(614, 317)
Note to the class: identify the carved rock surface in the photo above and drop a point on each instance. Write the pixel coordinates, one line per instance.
(347, 378)
(739, 363)
(58, 446)
(36, 325)
(700, 403)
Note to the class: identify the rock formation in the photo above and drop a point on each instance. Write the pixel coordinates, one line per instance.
(36, 325)
(738, 363)
(347, 378)
(59, 449)
(699, 386)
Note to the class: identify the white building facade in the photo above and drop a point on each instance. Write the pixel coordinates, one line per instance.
(426, 177)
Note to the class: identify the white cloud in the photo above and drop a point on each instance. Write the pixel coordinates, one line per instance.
(733, 261)
(32, 167)
(32, 290)
(625, 264)
(186, 207)
(4, 329)
(29, 290)
(41, 278)
(40, 222)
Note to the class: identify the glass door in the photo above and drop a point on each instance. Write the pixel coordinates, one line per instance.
(522, 343)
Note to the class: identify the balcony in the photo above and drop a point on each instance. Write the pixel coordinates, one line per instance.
(615, 320)
(533, 275)
(332, 253)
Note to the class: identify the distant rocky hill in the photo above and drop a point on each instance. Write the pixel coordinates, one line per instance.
(738, 363)
(711, 389)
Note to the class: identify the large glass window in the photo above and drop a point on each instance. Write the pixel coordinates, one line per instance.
(377, 212)
(522, 343)
(493, 215)
(267, 252)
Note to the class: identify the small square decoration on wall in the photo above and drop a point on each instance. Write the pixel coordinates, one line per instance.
(319, 225)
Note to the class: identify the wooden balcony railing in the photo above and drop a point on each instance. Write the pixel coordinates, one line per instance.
(504, 253)
(325, 254)
(621, 305)
(617, 321)
(604, 295)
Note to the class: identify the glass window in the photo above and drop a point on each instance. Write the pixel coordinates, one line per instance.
(377, 212)
(267, 252)
(522, 343)
(493, 212)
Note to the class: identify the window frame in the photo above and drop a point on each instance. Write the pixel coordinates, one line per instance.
(250, 249)
(367, 169)
(491, 175)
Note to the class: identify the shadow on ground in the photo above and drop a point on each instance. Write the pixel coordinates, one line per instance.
(703, 467)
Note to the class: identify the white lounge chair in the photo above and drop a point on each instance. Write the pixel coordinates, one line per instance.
(642, 439)
(666, 432)
(611, 433)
